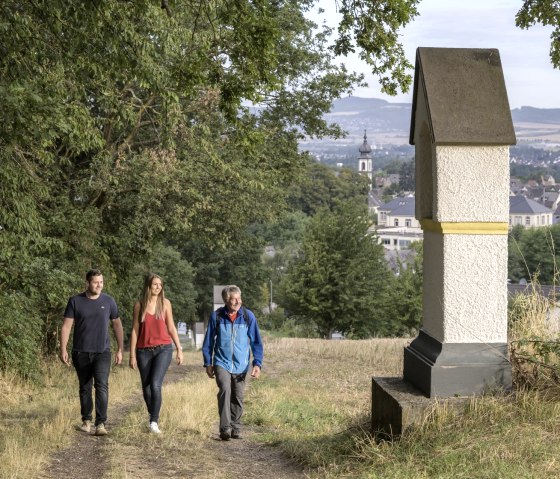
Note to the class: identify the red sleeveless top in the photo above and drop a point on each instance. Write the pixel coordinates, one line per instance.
(152, 332)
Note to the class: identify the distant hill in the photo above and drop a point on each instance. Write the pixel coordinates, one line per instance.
(528, 114)
(388, 126)
(378, 115)
(389, 123)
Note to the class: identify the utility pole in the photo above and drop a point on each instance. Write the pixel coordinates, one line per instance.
(270, 302)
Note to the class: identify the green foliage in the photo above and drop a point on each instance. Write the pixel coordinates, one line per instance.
(407, 172)
(534, 251)
(405, 315)
(545, 12)
(339, 279)
(122, 128)
(286, 229)
(323, 188)
(536, 362)
(239, 263)
(277, 324)
(20, 334)
(178, 276)
(373, 27)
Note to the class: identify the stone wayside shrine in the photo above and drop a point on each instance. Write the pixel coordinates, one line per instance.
(461, 127)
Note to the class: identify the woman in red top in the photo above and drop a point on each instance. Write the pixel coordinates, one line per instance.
(153, 331)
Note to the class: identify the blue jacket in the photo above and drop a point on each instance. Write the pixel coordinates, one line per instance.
(229, 345)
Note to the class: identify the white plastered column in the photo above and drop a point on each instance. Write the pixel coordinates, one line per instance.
(465, 300)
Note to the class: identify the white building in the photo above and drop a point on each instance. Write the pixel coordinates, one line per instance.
(528, 213)
(398, 238)
(397, 225)
(398, 212)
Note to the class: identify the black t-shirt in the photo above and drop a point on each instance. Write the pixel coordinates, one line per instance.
(91, 321)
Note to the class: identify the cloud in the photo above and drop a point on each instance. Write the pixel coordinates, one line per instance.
(530, 77)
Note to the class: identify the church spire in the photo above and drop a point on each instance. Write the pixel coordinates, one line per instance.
(365, 149)
(365, 161)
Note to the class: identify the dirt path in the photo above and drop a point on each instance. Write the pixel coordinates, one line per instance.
(88, 456)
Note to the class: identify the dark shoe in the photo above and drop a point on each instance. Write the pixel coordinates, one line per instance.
(225, 436)
(236, 435)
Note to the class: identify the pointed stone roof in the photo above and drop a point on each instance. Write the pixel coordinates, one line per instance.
(365, 149)
(465, 96)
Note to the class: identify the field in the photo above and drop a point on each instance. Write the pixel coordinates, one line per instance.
(307, 417)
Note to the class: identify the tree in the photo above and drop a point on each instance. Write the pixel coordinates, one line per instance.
(405, 315)
(407, 178)
(339, 279)
(374, 26)
(322, 187)
(545, 12)
(534, 251)
(122, 128)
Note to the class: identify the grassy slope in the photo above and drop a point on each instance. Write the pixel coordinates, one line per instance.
(316, 406)
(313, 401)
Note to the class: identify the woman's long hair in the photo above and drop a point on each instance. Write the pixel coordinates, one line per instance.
(146, 295)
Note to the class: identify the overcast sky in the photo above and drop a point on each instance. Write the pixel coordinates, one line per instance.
(529, 76)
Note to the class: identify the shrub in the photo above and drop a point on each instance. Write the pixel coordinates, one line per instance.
(534, 340)
(20, 336)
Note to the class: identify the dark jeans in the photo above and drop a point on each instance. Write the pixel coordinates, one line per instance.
(93, 370)
(152, 364)
(230, 399)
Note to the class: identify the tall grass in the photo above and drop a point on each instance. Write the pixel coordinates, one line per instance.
(313, 401)
(534, 340)
(319, 414)
(32, 419)
(36, 419)
(188, 413)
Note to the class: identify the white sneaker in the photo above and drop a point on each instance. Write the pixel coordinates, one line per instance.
(154, 428)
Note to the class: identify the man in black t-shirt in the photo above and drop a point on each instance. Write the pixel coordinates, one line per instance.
(90, 313)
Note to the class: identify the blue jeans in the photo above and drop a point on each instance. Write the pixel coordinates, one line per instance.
(152, 364)
(93, 370)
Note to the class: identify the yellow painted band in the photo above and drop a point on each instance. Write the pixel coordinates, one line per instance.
(464, 228)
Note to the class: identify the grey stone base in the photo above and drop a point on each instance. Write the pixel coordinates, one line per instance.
(397, 405)
(456, 369)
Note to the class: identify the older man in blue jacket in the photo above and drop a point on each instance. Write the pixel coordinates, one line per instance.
(231, 336)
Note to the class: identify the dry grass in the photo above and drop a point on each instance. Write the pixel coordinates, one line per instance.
(187, 415)
(313, 401)
(35, 419)
(534, 341)
(319, 411)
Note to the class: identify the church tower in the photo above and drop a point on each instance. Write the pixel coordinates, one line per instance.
(365, 161)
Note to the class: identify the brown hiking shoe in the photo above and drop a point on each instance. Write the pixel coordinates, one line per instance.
(100, 430)
(86, 426)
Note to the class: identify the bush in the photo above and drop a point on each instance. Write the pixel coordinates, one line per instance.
(20, 336)
(534, 341)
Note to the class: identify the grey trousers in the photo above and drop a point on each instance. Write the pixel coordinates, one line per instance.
(230, 399)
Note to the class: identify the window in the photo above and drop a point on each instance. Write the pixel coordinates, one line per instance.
(527, 221)
(382, 216)
(404, 244)
(542, 219)
(517, 220)
(396, 222)
(408, 222)
(386, 241)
